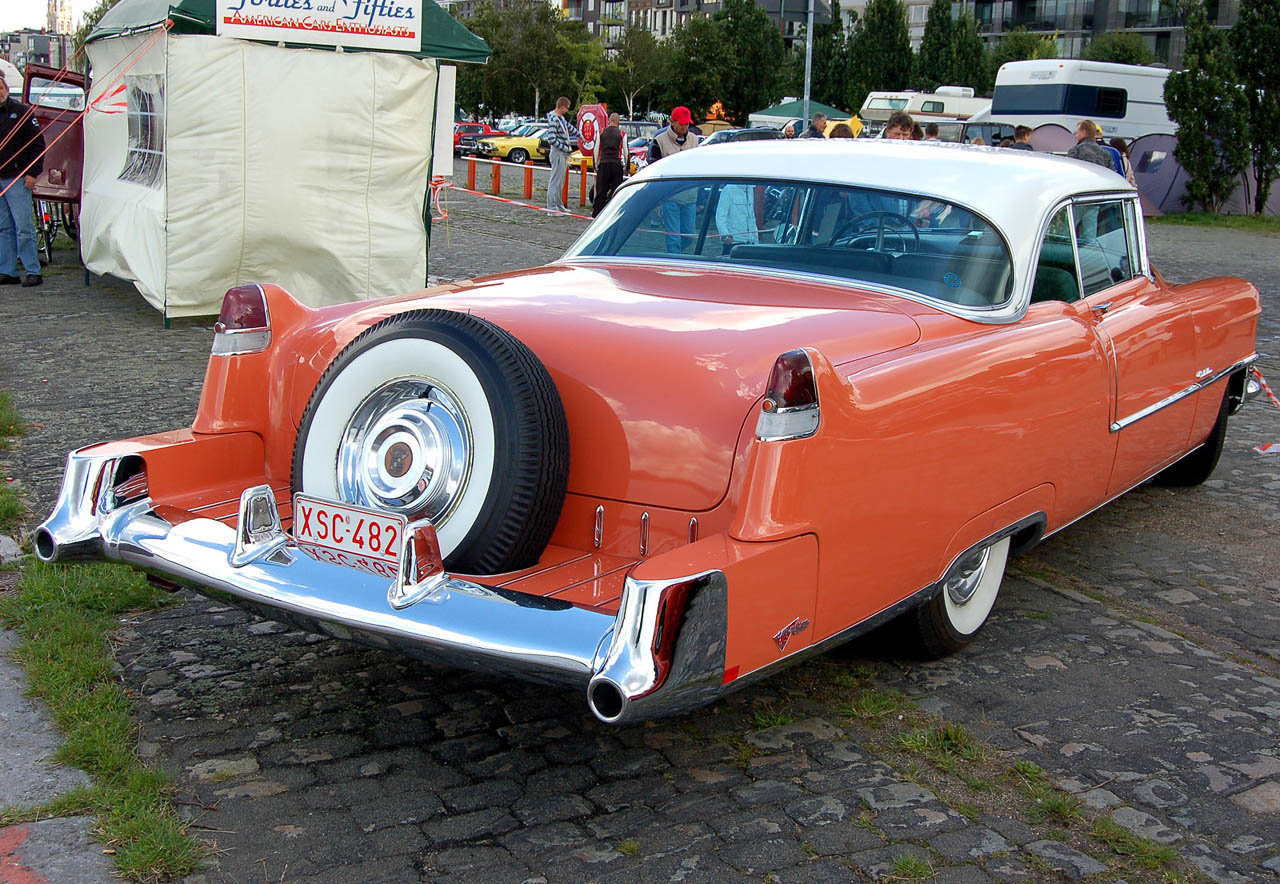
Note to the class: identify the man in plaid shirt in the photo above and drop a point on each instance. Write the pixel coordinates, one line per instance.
(559, 134)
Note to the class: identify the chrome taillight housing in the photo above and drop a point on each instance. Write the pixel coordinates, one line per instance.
(790, 409)
(244, 324)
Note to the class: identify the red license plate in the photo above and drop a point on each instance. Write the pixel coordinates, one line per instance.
(359, 532)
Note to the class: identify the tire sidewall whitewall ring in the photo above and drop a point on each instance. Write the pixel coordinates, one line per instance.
(966, 619)
(404, 358)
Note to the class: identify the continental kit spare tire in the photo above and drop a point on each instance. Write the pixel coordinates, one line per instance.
(442, 415)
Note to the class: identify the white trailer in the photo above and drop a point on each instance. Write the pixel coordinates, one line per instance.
(1124, 99)
(946, 103)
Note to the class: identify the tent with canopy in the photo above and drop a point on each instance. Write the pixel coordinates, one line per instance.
(212, 162)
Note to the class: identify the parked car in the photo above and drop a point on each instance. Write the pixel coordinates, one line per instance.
(466, 134)
(686, 455)
(759, 133)
(519, 147)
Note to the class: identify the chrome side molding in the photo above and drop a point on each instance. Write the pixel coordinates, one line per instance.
(1196, 387)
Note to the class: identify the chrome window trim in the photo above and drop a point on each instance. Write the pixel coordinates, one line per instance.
(1132, 419)
(1130, 199)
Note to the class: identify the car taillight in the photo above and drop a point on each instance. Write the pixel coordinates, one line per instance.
(790, 408)
(244, 325)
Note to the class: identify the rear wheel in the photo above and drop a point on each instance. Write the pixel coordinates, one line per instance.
(441, 415)
(951, 619)
(519, 155)
(1199, 465)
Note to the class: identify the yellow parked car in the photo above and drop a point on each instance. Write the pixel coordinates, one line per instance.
(518, 147)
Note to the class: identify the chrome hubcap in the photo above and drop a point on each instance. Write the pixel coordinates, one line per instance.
(961, 587)
(407, 449)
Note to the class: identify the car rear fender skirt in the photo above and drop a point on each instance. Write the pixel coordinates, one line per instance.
(1022, 517)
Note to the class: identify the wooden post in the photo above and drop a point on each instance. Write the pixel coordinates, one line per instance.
(528, 179)
(471, 173)
(495, 178)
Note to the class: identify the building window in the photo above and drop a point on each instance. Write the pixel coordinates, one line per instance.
(144, 164)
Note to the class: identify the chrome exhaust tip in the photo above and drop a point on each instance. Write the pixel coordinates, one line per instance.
(606, 700)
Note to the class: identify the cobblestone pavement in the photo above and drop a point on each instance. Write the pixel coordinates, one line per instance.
(1135, 657)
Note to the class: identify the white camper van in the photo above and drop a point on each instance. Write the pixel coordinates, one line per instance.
(946, 103)
(1124, 99)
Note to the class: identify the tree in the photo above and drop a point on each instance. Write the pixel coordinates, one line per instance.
(1121, 47)
(585, 63)
(696, 57)
(1211, 112)
(1020, 45)
(637, 67)
(879, 51)
(935, 62)
(1254, 39)
(830, 69)
(751, 78)
(970, 59)
(527, 48)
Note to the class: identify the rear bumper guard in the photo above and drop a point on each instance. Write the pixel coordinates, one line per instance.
(662, 654)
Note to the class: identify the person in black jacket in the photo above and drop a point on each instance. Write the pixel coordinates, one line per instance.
(20, 163)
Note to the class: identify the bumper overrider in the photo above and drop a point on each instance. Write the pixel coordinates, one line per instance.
(664, 652)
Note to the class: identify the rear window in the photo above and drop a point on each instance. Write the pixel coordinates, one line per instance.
(929, 247)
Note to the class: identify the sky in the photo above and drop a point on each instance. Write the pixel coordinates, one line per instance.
(15, 14)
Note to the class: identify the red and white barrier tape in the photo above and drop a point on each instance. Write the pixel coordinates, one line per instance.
(503, 199)
(1271, 447)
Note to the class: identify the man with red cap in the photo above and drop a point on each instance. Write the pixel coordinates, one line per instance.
(678, 213)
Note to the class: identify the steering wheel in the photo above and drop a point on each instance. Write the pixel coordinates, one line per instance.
(851, 230)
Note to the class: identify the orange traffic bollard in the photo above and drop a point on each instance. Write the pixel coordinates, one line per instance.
(564, 188)
(582, 183)
(471, 174)
(528, 179)
(495, 179)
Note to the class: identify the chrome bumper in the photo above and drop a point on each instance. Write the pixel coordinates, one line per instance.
(663, 653)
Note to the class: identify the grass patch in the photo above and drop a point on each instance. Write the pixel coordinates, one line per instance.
(766, 716)
(1055, 807)
(1266, 224)
(629, 846)
(64, 615)
(910, 868)
(10, 421)
(1142, 851)
(12, 511)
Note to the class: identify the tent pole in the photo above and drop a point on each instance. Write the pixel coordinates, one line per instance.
(431, 167)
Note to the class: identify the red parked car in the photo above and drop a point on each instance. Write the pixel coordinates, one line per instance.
(465, 135)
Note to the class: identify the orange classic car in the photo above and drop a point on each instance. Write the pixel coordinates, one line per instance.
(746, 417)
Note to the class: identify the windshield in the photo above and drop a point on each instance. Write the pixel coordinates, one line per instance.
(927, 246)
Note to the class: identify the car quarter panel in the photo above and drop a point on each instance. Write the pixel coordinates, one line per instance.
(1225, 311)
(913, 449)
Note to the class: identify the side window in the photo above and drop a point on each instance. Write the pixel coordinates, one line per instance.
(1056, 278)
(1104, 242)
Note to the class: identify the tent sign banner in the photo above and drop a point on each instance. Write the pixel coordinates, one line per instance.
(365, 24)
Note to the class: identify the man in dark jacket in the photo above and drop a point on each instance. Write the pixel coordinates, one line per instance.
(609, 163)
(21, 149)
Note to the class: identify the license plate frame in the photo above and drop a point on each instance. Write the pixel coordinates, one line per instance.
(359, 532)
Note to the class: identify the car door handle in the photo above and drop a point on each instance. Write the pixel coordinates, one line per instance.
(1102, 308)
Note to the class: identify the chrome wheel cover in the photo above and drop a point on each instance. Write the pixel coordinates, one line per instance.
(407, 448)
(961, 587)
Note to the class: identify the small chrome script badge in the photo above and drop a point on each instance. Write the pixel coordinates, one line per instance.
(795, 627)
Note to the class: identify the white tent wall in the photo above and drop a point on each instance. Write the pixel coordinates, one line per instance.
(121, 222)
(305, 168)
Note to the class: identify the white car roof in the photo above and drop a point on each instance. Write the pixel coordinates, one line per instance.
(1013, 189)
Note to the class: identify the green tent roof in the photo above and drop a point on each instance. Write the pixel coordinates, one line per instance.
(796, 109)
(442, 35)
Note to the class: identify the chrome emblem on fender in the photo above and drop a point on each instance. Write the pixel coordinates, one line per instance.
(795, 627)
